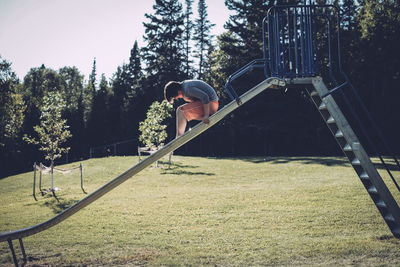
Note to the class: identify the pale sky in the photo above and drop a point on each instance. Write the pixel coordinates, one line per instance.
(60, 33)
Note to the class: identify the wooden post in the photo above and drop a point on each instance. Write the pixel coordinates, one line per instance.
(34, 180)
(80, 168)
(40, 178)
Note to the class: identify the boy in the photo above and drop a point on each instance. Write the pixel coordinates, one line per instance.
(201, 97)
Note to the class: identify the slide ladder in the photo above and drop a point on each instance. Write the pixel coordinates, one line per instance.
(170, 147)
(292, 52)
(357, 156)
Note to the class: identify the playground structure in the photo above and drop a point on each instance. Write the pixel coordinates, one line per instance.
(291, 59)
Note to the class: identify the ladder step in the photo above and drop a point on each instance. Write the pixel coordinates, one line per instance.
(347, 147)
(330, 120)
(356, 161)
(364, 175)
(389, 217)
(338, 134)
(372, 190)
(322, 106)
(381, 204)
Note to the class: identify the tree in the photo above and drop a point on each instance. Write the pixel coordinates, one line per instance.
(135, 66)
(77, 106)
(377, 74)
(163, 54)
(36, 84)
(243, 40)
(15, 111)
(93, 76)
(126, 88)
(246, 28)
(12, 106)
(153, 131)
(100, 119)
(380, 32)
(52, 131)
(188, 37)
(202, 36)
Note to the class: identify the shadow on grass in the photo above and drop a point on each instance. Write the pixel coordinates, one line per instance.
(391, 166)
(327, 161)
(180, 169)
(32, 259)
(60, 204)
(389, 239)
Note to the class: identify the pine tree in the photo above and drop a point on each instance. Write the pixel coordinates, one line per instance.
(77, 106)
(119, 100)
(202, 36)
(246, 28)
(12, 106)
(188, 37)
(163, 54)
(99, 126)
(92, 76)
(134, 71)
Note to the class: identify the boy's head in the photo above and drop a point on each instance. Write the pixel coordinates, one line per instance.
(171, 90)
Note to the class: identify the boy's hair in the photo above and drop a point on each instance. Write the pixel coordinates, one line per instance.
(171, 90)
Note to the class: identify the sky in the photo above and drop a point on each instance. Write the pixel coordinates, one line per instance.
(60, 33)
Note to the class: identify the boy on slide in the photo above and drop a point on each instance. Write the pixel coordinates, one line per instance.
(201, 98)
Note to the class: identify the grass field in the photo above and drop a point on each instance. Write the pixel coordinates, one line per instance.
(297, 211)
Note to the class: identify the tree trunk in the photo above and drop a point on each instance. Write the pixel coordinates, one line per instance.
(52, 177)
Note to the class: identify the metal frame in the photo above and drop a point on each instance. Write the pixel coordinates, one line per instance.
(290, 52)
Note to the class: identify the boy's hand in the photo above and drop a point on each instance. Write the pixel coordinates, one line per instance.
(206, 120)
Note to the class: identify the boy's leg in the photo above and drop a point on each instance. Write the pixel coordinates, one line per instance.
(181, 121)
(191, 111)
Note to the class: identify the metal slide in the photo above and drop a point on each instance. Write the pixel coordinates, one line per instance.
(171, 146)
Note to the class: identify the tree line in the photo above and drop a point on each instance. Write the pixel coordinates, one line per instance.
(178, 47)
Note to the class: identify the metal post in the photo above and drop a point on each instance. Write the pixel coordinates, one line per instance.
(295, 42)
(34, 180)
(290, 59)
(10, 244)
(302, 41)
(80, 168)
(22, 249)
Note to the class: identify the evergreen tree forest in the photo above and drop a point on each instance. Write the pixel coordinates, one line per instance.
(179, 46)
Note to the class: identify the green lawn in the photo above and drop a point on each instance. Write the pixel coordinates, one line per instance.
(204, 211)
